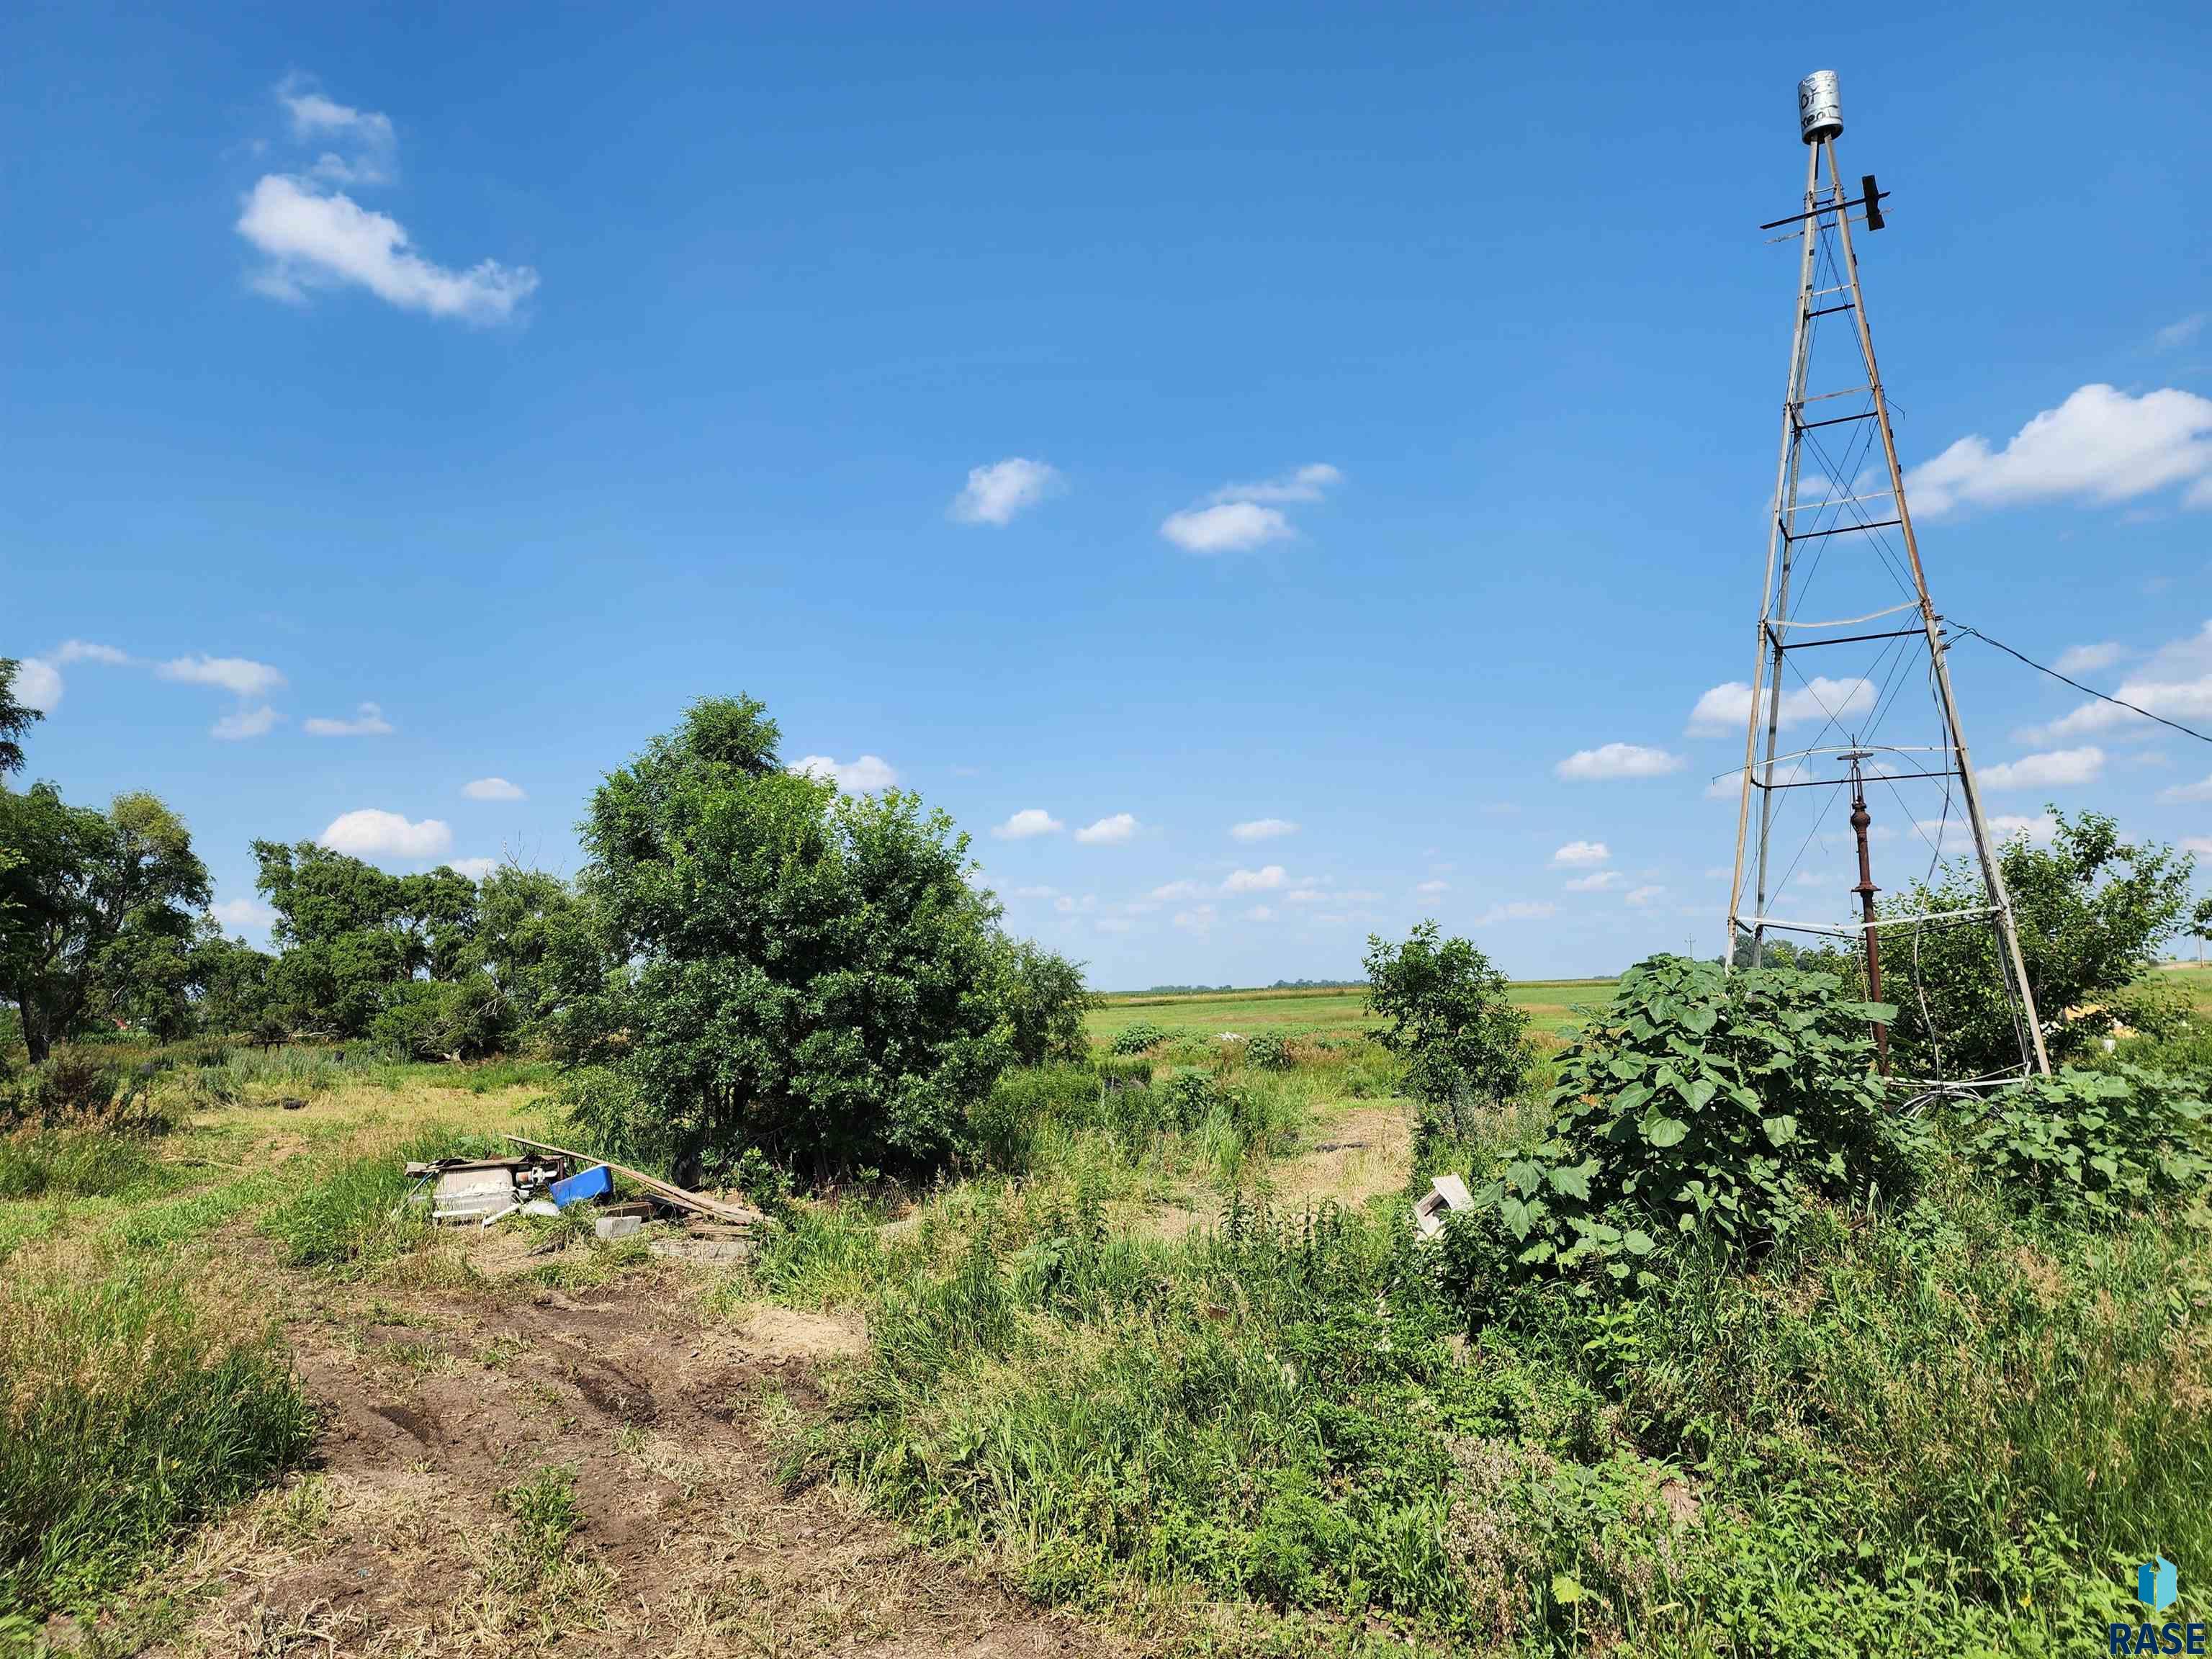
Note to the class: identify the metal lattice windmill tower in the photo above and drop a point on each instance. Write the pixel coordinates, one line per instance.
(1848, 642)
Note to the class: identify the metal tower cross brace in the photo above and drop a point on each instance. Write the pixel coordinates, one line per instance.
(1859, 513)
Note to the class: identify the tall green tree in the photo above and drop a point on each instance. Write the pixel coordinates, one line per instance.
(350, 935)
(97, 914)
(2093, 910)
(806, 972)
(15, 717)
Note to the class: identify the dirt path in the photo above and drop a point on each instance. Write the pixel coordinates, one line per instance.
(397, 1542)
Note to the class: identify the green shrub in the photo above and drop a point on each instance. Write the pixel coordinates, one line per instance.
(1137, 1038)
(1702, 1104)
(128, 1412)
(1269, 1053)
(1446, 1016)
(2095, 1143)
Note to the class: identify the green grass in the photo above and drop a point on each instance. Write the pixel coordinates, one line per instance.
(353, 1214)
(127, 1411)
(1549, 1004)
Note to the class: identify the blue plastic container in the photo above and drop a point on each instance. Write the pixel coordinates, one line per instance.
(595, 1182)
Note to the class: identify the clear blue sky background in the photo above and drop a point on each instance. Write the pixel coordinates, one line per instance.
(798, 271)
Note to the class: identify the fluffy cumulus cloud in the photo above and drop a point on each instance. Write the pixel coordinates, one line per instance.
(241, 675)
(1031, 821)
(37, 684)
(2100, 445)
(1196, 919)
(258, 721)
(313, 235)
(1582, 852)
(86, 651)
(1617, 760)
(1238, 517)
(474, 869)
(372, 833)
(863, 776)
(1225, 527)
(367, 721)
(995, 494)
(2056, 770)
(491, 789)
(1263, 880)
(358, 147)
(1106, 831)
(241, 915)
(2188, 790)
(2176, 682)
(1597, 881)
(1262, 828)
(1727, 707)
(1641, 896)
(1955, 836)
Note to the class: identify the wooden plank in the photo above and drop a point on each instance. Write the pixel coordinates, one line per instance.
(737, 1214)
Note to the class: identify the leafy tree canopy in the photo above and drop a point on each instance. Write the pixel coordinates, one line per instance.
(15, 717)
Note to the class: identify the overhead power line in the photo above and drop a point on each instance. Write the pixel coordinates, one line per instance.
(2087, 690)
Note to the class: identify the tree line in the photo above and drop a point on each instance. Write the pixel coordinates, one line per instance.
(749, 959)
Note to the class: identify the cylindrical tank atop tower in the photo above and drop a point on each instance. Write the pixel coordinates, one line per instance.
(1820, 106)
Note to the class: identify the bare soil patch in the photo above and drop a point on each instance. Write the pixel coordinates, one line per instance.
(396, 1540)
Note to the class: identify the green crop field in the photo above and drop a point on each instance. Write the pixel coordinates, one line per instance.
(1550, 1004)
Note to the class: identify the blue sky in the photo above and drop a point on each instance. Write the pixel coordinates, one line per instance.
(1152, 423)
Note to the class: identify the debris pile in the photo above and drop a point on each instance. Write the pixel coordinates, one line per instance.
(544, 1180)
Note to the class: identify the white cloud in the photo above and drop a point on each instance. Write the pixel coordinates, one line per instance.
(2056, 770)
(1582, 852)
(1307, 896)
(1618, 760)
(1196, 919)
(1038, 891)
(863, 776)
(1262, 828)
(85, 650)
(1118, 827)
(2200, 845)
(365, 150)
(2100, 445)
(1030, 821)
(2188, 792)
(370, 832)
(2037, 831)
(2088, 659)
(241, 675)
(1174, 892)
(1596, 882)
(1256, 881)
(37, 684)
(2176, 683)
(1431, 889)
(1640, 896)
(1727, 787)
(474, 869)
(2174, 336)
(369, 721)
(1308, 483)
(255, 722)
(1229, 527)
(1260, 913)
(239, 915)
(1727, 706)
(492, 789)
(315, 238)
(1518, 910)
(995, 493)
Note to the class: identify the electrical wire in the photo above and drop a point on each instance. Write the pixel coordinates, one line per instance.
(2088, 691)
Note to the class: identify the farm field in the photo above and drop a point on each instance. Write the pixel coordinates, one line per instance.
(1549, 1004)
